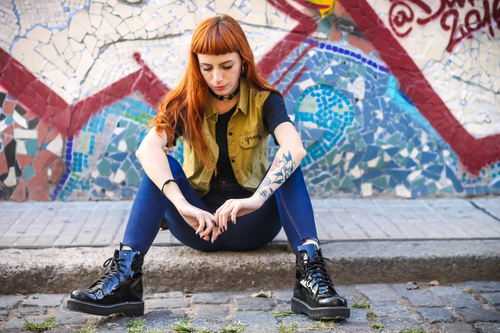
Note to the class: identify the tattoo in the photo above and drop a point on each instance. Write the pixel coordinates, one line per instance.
(280, 171)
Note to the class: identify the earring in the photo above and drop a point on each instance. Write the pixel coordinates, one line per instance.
(242, 69)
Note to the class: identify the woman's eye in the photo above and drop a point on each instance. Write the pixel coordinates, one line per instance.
(229, 67)
(207, 69)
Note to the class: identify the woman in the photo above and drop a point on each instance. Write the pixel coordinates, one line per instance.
(225, 197)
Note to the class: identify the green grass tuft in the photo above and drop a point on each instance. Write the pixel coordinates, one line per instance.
(86, 330)
(183, 326)
(377, 326)
(136, 326)
(40, 327)
(234, 327)
(283, 314)
(362, 305)
(288, 328)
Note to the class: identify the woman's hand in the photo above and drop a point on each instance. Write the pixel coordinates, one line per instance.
(233, 208)
(200, 220)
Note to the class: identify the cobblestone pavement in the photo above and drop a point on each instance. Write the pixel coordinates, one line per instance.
(459, 308)
(60, 224)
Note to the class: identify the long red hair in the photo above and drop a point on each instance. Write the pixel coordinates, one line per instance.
(185, 105)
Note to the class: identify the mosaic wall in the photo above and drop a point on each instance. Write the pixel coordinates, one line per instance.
(391, 98)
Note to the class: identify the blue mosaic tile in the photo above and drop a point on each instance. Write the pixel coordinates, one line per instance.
(428, 157)
(371, 153)
(372, 174)
(392, 151)
(391, 165)
(104, 183)
(411, 163)
(431, 175)
(456, 183)
(120, 157)
(398, 175)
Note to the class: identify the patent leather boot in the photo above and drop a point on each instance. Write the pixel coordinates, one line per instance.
(314, 293)
(117, 291)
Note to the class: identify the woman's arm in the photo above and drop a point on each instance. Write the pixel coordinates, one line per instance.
(155, 164)
(287, 159)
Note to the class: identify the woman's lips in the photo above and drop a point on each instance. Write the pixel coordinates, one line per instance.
(219, 87)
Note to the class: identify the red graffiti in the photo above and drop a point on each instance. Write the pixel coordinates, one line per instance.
(401, 15)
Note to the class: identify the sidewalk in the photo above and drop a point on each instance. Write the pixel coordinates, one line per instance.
(61, 224)
(54, 247)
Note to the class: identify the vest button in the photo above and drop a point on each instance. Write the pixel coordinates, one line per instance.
(230, 133)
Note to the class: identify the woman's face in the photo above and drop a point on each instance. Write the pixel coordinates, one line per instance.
(221, 72)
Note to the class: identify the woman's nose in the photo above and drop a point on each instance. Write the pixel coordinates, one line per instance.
(217, 75)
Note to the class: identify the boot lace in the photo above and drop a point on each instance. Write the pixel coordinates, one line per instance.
(316, 269)
(115, 266)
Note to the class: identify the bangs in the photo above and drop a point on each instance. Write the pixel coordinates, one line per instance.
(215, 38)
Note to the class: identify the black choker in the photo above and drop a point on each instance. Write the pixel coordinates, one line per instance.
(227, 97)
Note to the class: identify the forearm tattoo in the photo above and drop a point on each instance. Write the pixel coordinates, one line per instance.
(278, 173)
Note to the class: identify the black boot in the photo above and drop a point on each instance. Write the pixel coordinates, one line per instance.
(314, 293)
(119, 290)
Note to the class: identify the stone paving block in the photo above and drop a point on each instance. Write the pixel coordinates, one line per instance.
(445, 291)
(488, 327)
(378, 292)
(399, 323)
(481, 287)
(29, 311)
(456, 328)
(435, 315)
(208, 298)
(46, 300)
(63, 329)
(343, 291)
(10, 302)
(474, 315)
(463, 301)
(165, 314)
(4, 314)
(282, 296)
(254, 304)
(493, 298)
(46, 240)
(357, 316)
(171, 294)
(393, 310)
(416, 297)
(302, 321)
(17, 322)
(346, 327)
(13, 330)
(169, 303)
(209, 325)
(8, 240)
(67, 317)
(211, 312)
(255, 318)
(283, 307)
(161, 325)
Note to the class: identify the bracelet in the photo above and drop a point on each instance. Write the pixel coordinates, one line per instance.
(165, 183)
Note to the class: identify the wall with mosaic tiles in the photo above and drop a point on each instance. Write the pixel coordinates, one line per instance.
(392, 98)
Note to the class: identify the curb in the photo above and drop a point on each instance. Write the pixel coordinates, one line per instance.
(183, 269)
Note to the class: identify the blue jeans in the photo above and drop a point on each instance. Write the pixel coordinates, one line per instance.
(289, 207)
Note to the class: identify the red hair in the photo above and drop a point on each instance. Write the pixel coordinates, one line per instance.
(185, 105)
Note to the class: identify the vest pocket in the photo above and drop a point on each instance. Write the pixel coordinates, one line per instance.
(250, 138)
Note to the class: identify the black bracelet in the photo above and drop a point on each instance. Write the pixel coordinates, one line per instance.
(165, 183)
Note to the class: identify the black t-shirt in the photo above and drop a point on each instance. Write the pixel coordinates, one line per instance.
(273, 114)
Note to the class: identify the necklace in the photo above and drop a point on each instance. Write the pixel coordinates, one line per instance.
(227, 97)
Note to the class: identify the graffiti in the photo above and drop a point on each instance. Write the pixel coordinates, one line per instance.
(401, 15)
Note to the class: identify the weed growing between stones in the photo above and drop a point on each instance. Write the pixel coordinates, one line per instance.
(283, 314)
(204, 330)
(288, 328)
(183, 326)
(412, 330)
(371, 314)
(362, 305)
(136, 326)
(325, 324)
(234, 327)
(47, 324)
(86, 330)
(377, 326)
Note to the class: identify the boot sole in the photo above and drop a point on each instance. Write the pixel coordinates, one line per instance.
(330, 312)
(129, 309)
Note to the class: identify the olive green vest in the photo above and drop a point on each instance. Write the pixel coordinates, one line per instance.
(247, 141)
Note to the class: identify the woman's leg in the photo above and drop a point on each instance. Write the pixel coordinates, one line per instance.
(295, 210)
(149, 208)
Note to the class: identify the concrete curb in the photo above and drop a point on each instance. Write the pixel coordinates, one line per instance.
(181, 268)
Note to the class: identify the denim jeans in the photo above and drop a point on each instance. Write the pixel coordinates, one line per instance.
(289, 207)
